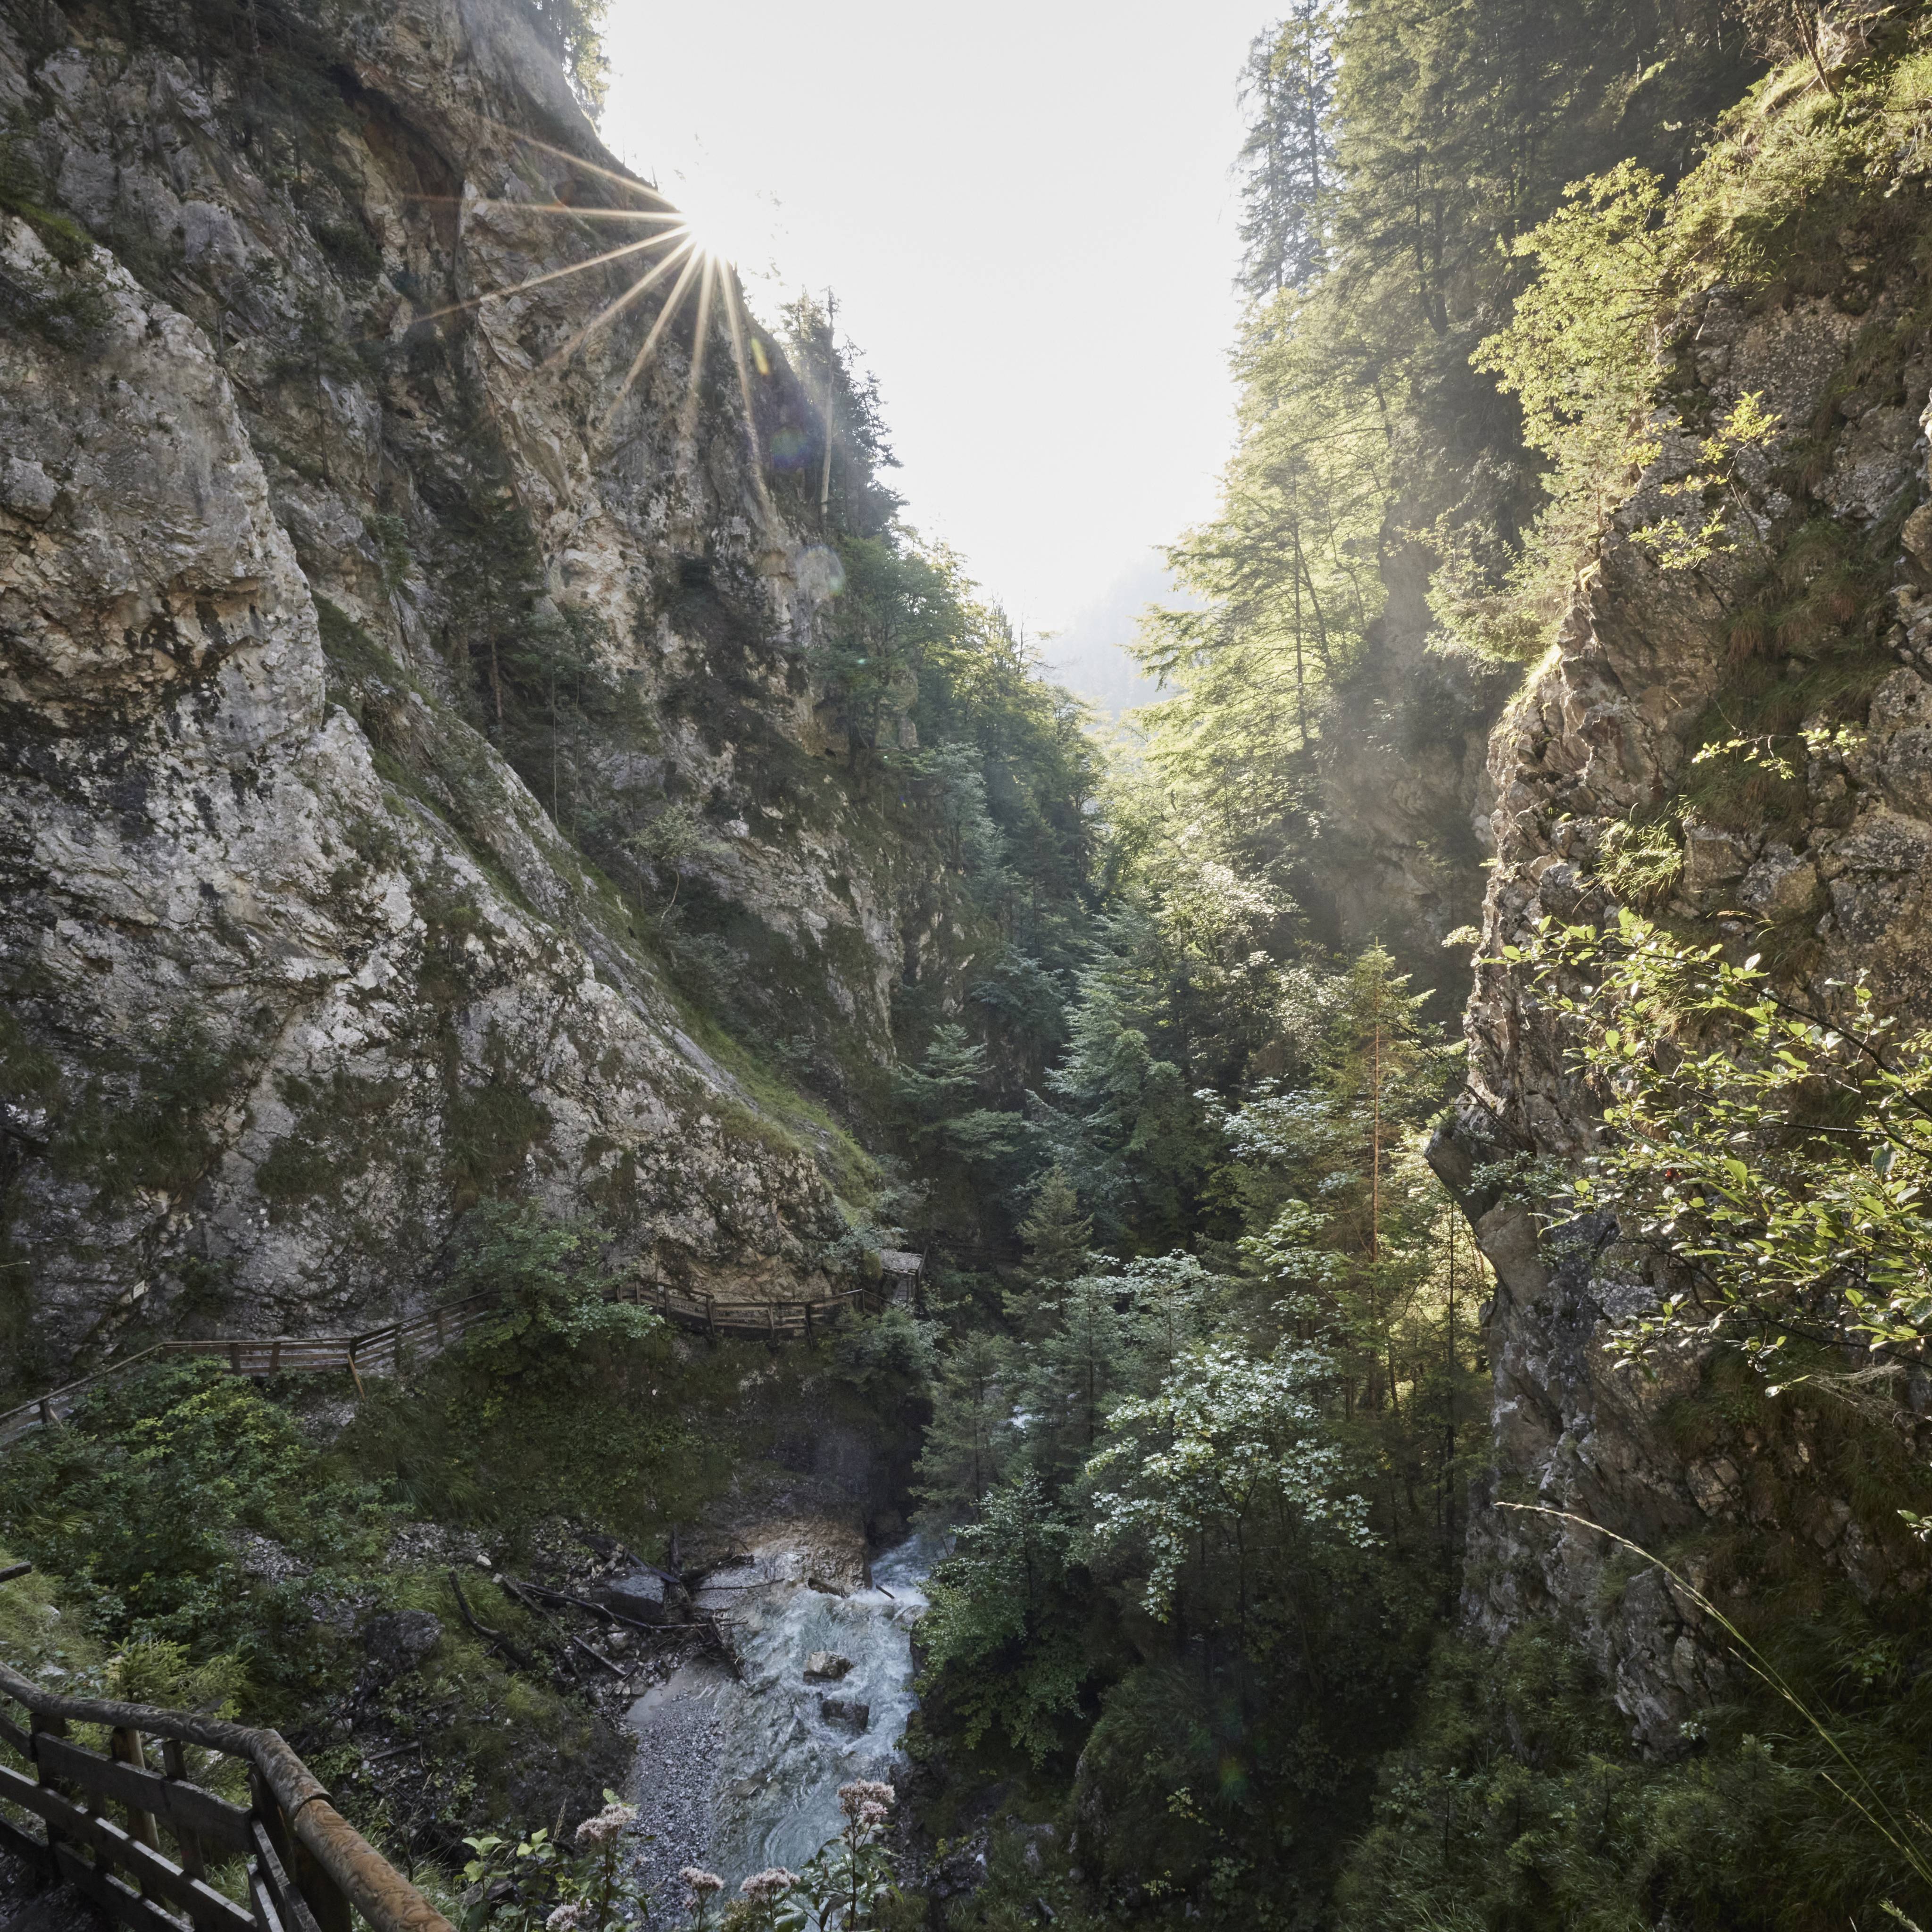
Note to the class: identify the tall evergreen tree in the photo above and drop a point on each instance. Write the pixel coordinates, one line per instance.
(970, 1438)
(1288, 158)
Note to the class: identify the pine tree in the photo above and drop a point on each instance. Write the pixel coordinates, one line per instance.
(1057, 1234)
(970, 1439)
(1289, 155)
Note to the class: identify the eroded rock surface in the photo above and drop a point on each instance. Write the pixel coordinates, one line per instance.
(299, 537)
(1603, 732)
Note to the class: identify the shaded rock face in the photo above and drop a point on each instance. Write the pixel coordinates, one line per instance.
(295, 966)
(1604, 730)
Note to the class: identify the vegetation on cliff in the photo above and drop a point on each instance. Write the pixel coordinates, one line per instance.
(1198, 1371)
(1208, 1635)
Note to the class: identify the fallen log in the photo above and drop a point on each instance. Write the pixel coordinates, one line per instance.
(489, 1636)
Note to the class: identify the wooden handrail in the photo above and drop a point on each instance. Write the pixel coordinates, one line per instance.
(307, 1864)
(433, 1331)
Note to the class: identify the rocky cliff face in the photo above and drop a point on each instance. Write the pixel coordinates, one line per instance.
(1827, 874)
(352, 641)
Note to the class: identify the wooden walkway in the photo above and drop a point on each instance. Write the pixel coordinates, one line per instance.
(393, 1348)
(305, 1867)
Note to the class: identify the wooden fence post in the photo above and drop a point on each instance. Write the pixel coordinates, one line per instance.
(711, 1317)
(174, 1762)
(126, 1748)
(39, 1727)
(811, 1340)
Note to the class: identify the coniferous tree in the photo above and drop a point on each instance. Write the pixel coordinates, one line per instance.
(970, 1439)
(1288, 85)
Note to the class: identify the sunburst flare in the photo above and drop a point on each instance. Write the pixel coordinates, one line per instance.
(703, 279)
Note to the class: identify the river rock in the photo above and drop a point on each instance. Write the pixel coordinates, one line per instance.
(826, 1667)
(645, 1595)
(399, 1640)
(847, 1710)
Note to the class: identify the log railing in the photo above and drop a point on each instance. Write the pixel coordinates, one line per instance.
(754, 1320)
(388, 1349)
(303, 1866)
(376, 1349)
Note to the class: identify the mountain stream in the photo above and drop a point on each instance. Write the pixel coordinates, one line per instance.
(738, 1775)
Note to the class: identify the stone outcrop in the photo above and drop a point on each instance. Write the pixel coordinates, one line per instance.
(1603, 732)
(351, 639)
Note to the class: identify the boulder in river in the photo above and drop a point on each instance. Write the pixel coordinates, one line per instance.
(826, 1667)
(847, 1711)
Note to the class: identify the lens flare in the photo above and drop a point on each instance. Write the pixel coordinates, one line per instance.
(667, 244)
(821, 574)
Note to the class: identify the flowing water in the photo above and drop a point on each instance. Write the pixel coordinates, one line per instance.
(741, 1775)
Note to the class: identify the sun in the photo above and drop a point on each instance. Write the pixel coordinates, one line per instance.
(665, 249)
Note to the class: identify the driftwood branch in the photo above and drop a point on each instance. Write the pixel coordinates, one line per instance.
(518, 1593)
(583, 1604)
(591, 1651)
(489, 1636)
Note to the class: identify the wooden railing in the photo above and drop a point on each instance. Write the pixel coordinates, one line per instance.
(754, 1320)
(396, 1343)
(303, 1866)
(388, 1347)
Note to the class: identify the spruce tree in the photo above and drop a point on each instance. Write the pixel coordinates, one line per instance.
(1289, 155)
(1057, 1234)
(970, 1438)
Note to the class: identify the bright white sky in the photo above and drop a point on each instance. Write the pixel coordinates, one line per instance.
(1026, 209)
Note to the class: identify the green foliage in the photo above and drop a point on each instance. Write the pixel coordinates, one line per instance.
(488, 1131)
(1521, 1802)
(1236, 1489)
(1129, 1133)
(1796, 184)
(1002, 1641)
(1289, 155)
(889, 1360)
(147, 1504)
(1577, 355)
(43, 1624)
(142, 1120)
(1642, 865)
(574, 29)
(62, 301)
(1457, 129)
(1225, 1459)
(517, 1884)
(1057, 1234)
(1781, 1154)
(548, 1280)
(965, 1146)
(848, 1882)
(968, 1441)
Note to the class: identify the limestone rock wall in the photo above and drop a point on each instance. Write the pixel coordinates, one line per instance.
(1602, 733)
(296, 965)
